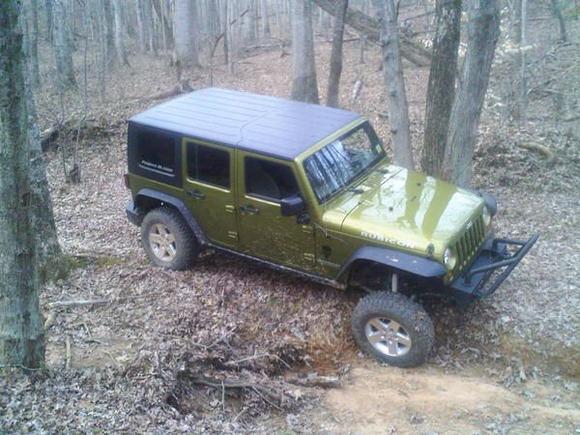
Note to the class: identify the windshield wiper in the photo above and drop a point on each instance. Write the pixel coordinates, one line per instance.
(356, 190)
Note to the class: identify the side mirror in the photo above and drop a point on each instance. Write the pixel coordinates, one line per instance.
(292, 205)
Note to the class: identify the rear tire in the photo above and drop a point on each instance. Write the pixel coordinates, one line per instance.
(168, 240)
(393, 329)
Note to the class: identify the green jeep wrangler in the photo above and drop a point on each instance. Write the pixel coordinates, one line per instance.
(309, 189)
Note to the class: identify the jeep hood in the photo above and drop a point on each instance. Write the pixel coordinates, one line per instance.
(403, 208)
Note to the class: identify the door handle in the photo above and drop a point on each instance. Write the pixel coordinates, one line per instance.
(196, 194)
(250, 209)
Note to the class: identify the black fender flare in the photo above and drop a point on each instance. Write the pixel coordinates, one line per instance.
(393, 259)
(179, 205)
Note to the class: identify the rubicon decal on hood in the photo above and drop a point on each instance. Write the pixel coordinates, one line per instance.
(382, 238)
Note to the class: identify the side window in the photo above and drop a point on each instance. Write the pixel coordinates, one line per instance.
(155, 151)
(208, 165)
(269, 180)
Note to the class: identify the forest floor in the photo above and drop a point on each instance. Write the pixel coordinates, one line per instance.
(133, 362)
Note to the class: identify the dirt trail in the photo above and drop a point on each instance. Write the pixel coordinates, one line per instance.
(427, 400)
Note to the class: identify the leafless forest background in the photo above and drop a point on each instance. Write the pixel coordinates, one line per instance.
(231, 347)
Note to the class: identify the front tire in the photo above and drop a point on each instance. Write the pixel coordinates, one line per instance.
(167, 239)
(393, 329)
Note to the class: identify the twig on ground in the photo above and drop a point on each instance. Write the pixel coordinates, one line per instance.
(68, 354)
(545, 151)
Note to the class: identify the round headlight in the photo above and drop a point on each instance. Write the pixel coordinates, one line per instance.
(449, 259)
(486, 217)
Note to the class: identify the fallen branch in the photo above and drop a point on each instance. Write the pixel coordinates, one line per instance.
(181, 88)
(49, 136)
(225, 384)
(314, 380)
(545, 151)
(81, 303)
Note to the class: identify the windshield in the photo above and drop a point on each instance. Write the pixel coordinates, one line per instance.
(337, 164)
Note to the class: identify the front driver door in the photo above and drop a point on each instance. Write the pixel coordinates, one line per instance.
(263, 231)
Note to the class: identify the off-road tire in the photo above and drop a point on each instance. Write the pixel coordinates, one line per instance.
(410, 315)
(186, 245)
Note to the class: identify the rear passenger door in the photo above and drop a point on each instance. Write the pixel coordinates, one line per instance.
(208, 176)
(263, 231)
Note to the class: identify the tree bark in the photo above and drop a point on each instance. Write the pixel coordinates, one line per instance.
(167, 32)
(304, 82)
(141, 30)
(523, 97)
(62, 46)
(120, 49)
(21, 326)
(332, 95)
(49, 20)
(34, 68)
(185, 33)
(371, 27)
(558, 13)
(441, 87)
(395, 83)
(483, 33)
(265, 14)
(227, 33)
(109, 19)
(48, 255)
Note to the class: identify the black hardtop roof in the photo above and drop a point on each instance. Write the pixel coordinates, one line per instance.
(268, 125)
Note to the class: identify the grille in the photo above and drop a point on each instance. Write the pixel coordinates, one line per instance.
(467, 246)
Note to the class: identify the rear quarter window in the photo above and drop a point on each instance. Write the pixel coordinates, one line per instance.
(154, 154)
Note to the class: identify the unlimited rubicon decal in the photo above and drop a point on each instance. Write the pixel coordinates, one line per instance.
(385, 239)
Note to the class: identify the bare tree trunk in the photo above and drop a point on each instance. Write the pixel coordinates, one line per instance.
(332, 95)
(556, 9)
(227, 33)
(265, 8)
(49, 20)
(141, 30)
(483, 33)
(185, 33)
(213, 19)
(304, 83)
(516, 23)
(109, 18)
(167, 36)
(48, 257)
(34, 68)
(21, 327)
(523, 100)
(120, 49)
(249, 23)
(441, 88)
(395, 82)
(62, 46)
(147, 16)
(102, 61)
